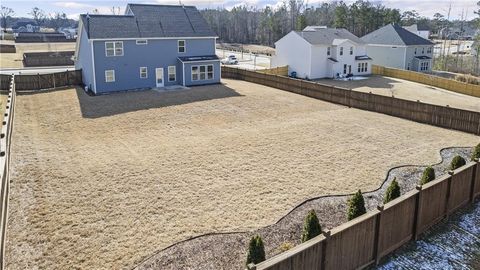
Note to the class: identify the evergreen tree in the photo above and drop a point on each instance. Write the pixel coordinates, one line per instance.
(356, 206)
(256, 250)
(428, 175)
(476, 152)
(393, 191)
(457, 162)
(312, 227)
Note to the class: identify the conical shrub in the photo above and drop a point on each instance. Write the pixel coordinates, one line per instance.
(457, 162)
(356, 206)
(393, 191)
(428, 175)
(476, 152)
(312, 227)
(256, 250)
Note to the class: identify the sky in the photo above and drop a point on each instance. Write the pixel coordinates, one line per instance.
(75, 7)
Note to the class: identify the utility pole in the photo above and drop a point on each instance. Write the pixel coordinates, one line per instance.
(445, 40)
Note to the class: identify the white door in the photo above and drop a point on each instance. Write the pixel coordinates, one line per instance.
(159, 77)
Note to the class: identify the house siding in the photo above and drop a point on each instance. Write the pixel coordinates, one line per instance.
(84, 60)
(158, 53)
(216, 73)
(388, 56)
(294, 51)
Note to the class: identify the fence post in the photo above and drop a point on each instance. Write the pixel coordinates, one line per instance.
(447, 198)
(68, 81)
(324, 248)
(38, 80)
(418, 210)
(378, 228)
(53, 75)
(474, 178)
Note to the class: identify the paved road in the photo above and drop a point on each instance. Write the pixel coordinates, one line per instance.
(247, 60)
(35, 70)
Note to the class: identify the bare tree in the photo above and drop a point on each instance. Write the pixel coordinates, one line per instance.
(115, 10)
(38, 15)
(5, 14)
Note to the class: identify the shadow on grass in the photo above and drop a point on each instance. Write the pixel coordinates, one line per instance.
(124, 102)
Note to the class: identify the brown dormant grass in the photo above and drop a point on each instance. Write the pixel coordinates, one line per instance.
(14, 60)
(103, 182)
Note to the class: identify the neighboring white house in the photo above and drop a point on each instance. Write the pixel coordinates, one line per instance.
(394, 46)
(424, 32)
(319, 52)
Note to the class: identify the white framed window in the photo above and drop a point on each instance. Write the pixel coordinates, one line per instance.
(195, 73)
(424, 66)
(181, 46)
(366, 67)
(114, 48)
(142, 42)
(429, 50)
(143, 72)
(341, 50)
(202, 73)
(359, 67)
(172, 73)
(415, 50)
(110, 75)
(210, 72)
(423, 50)
(362, 67)
(351, 50)
(328, 50)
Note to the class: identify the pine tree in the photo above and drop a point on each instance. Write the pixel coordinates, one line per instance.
(356, 206)
(393, 191)
(256, 250)
(312, 227)
(428, 175)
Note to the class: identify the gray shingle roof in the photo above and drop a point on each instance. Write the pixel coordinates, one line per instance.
(149, 21)
(393, 34)
(326, 36)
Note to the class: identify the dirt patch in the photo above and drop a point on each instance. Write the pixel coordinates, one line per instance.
(14, 60)
(404, 89)
(104, 182)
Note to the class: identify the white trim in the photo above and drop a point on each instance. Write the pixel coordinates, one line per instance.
(140, 72)
(184, 46)
(174, 73)
(137, 41)
(156, 77)
(183, 73)
(200, 61)
(79, 38)
(113, 39)
(200, 73)
(405, 58)
(114, 48)
(386, 45)
(93, 68)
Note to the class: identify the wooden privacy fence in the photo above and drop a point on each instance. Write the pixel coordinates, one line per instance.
(452, 85)
(446, 117)
(282, 71)
(5, 139)
(5, 81)
(366, 239)
(48, 81)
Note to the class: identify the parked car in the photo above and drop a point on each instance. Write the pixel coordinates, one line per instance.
(230, 60)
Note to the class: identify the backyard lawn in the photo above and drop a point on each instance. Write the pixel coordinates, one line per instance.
(104, 182)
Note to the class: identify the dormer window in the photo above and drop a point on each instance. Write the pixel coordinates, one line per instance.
(351, 50)
(328, 50)
(341, 50)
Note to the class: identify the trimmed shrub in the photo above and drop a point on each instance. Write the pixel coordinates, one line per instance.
(256, 250)
(393, 191)
(457, 162)
(476, 152)
(428, 175)
(356, 206)
(312, 227)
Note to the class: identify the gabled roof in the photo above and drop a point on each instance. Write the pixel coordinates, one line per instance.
(328, 36)
(393, 34)
(148, 21)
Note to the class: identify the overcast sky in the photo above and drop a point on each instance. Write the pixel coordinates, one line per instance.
(74, 8)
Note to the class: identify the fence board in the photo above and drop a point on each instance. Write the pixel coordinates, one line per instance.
(460, 187)
(433, 201)
(48, 81)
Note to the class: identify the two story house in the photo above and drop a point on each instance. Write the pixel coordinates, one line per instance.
(320, 52)
(395, 46)
(150, 46)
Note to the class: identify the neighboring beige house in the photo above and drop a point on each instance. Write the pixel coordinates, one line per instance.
(320, 52)
(394, 46)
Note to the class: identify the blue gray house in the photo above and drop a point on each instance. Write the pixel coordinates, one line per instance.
(149, 46)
